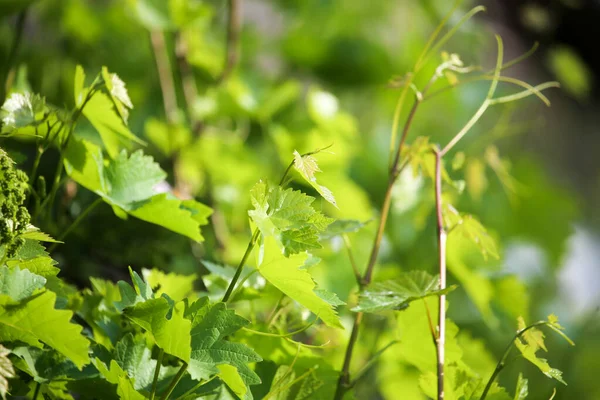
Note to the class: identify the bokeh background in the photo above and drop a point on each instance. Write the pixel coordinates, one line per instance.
(316, 72)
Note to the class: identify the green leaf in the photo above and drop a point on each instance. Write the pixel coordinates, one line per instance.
(307, 166)
(177, 287)
(116, 375)
(21, 110)
(472, 229)
(7, 371)
(529, 343)
(399, 293)
(33, 256)
(284, 273)
(35, 233)
(342, 226)
(229, 374)
(211, 324)
(288, 216)
(166, 324)
(19, 284)
(84, 163)
(522, 390)
(174, 215)
(118, 93)
(115, 135)
(79, 85)
(46, 365)
(36, 320)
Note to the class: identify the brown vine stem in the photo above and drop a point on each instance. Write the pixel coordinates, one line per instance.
(441, 235)
(234, 26)
(344, 380)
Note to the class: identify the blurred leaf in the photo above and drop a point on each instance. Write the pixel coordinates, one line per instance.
(118, 93)
(472, 229)
(571, 71)
(476, 179)
(399, 293)
(7, 371)
(522, 390)
(342, 226)
(21, 110)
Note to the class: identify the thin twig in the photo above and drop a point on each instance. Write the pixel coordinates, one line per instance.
(441, 236)
(174, 381)
(76, 223)
(159, 359)
(12, 55)
(348, 246)
(165, 74)
(241, 265)
(234, 26)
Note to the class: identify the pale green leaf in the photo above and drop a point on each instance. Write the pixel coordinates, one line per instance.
(342, 226)
(307, 167)
(116, 376)
(118, 93)
(19, 284)
(284, 273)
(33, 256)
(36, 320)
(79, 85)
(176, 286)
(397, 294)
(35, 233)
(115, 135)
(84, 163)
(232, 379)
(522, 390)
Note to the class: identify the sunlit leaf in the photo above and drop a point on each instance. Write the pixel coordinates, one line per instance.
(7, 371)
(19, 284)
(399, 293)
(307, 167)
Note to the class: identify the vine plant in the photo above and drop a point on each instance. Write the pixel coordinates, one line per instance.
(158, 337)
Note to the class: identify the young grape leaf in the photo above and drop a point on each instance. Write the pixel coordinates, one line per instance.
(288, 216)
(34, 233)
(307, 167)
(211, 324)
(399, 293)
(7, 371)
(21, 110)
(284, 273)
(46, 365)
(532, 340)
(229, 374)
(33, 256)
(166, 324)
(115, 135)
(19, 284)
(118, 93)
(177, 287)
(472, 229)
(342, 226)
(522, 390)
(36, 320)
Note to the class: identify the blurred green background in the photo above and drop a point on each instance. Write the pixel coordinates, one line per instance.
(313, 73)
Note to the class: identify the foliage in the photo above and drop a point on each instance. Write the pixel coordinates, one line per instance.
(182, 204)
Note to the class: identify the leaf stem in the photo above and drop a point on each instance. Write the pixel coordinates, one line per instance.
(36, 391)
(441, 237)
(174, 381)
(240, 267)
(372, 361)
(159, 359)
(76, 223)
(348, 246)
(165, 74)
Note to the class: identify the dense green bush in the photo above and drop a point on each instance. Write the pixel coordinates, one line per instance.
(231, 175)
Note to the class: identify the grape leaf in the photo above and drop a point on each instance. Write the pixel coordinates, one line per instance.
(46, 365)
(342, 226)
(532, 340)
(118, 93)
(522, 390)
(33, 256)
(307, 166)
(128, 184)
(288, 216)
(170, 334)
(116, 375)
(21, 110)
(176, 286)
(35, 233)
(36, 320)
(399, 293)
(285, 275)
(211, 324)
(115, 135)
(472, 229)
(19, 284)
(7, 371)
